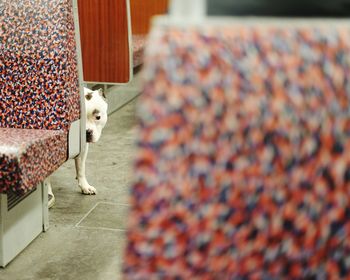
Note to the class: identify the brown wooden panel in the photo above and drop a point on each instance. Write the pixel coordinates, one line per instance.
(142, 11)
(104, 40)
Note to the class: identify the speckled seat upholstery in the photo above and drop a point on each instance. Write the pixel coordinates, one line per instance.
(39, 93)
(138, 45)
(243, 153)
(27, 156)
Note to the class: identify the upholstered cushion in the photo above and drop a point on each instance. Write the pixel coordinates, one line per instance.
(243, 156)
(28, 156)
(138, 44)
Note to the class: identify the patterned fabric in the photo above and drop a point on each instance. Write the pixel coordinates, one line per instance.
(243, 155)
(138, 44)
(28, 156)
(38, 67)
(38, 89)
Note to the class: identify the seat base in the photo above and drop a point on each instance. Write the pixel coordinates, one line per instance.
(22, 222)
(29, 156)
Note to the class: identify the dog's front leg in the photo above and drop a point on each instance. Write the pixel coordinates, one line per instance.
(80, 171)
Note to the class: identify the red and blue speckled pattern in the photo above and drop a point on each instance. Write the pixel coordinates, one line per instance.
(243, 155)
(39, 93)
(38, 66)
(138, 45)
(28, 156)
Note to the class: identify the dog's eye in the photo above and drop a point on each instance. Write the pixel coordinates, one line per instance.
(98, 118)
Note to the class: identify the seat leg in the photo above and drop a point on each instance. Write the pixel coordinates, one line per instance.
(46, 185)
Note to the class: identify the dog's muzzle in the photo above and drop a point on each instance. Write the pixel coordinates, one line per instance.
(89, 135)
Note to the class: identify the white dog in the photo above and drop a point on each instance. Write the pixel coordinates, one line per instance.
(96, 118)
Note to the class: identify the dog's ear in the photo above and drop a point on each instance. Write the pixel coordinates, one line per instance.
(102, 93)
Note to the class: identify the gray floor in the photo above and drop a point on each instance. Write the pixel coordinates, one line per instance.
(86, 237)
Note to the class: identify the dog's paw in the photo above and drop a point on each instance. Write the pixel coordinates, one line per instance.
(87, 189)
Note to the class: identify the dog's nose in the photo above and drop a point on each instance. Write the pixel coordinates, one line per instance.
(89, 135)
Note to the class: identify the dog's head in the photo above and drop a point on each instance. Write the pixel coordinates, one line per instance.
(96, 114)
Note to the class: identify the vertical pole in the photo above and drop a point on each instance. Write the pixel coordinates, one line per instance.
(80, 75)
(44, 192)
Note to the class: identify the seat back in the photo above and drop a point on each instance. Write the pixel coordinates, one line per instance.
(39, 86)
(105, 41)
(112, 37)
(243, 151)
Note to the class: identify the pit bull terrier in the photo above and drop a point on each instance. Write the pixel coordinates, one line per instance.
(96, 118)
